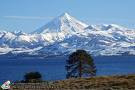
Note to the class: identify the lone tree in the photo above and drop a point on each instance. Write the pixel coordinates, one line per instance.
(80, 64)
(32, 77)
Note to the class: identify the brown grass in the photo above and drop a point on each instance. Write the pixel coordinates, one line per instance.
(123, 82)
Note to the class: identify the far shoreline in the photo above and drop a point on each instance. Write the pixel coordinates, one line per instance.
(26, 56)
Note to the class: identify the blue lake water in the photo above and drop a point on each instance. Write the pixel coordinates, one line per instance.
(53, 68)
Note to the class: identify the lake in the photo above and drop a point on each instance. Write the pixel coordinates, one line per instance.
(53, 68)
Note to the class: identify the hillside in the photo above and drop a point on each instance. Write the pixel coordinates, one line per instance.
(124, 82)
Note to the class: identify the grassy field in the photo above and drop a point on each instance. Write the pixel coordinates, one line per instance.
(123, 82)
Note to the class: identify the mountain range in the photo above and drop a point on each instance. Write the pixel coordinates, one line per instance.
(65, 34)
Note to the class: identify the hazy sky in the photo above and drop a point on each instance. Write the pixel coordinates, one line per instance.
(28, 15)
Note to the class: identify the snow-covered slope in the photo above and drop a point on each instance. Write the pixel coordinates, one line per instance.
(65, 34)
(64, 24)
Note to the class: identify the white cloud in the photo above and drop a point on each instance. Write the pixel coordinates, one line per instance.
(27, 17)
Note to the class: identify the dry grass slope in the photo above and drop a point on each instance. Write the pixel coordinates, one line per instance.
(123, 82)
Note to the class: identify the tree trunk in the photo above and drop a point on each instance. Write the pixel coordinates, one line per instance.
(80, 69)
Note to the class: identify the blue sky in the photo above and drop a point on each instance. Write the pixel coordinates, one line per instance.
(28, 15)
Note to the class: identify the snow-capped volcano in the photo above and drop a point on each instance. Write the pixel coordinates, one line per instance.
(63, 23)
(64, 34)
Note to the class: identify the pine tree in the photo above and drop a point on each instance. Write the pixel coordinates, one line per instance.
(80, 64)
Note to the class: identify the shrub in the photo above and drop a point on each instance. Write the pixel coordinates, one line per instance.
(32, 77)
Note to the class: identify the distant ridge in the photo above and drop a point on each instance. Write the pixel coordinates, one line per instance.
(64, 34)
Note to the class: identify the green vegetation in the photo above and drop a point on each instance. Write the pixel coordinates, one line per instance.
(32, 77)
(80, 64)
(0, 88)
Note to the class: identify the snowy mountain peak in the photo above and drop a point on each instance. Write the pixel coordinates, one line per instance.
(63, 23)
(66, 16)
(64, 34)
